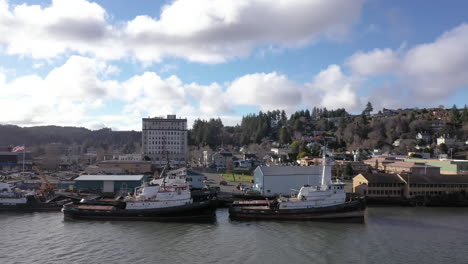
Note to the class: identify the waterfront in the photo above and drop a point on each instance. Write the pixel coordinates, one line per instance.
(390, 235)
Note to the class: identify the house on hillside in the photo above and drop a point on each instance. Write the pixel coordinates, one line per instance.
(448, 141)
(222, 159)
(424, 137)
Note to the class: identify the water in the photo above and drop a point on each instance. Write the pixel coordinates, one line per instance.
(390, 235)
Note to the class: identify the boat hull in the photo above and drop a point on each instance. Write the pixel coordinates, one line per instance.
(352, 211)
(32, 204)
(195, 211)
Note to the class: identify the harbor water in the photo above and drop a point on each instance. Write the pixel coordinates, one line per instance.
(390, 235)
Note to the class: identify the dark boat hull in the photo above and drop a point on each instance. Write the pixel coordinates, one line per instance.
(32, 204)
(353, 211)
(202, 210)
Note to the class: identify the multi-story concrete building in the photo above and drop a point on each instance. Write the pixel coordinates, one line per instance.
(165, 140)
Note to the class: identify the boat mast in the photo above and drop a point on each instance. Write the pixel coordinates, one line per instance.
(326, 180)
(24, 155)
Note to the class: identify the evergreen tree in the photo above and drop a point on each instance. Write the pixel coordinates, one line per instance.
(464, 115)
(454, 115)
(348, 171)
(368, 109)
(284, 137)
(307, 114)
(314, 113)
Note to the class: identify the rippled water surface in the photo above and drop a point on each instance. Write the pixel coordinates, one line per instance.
(390, 235)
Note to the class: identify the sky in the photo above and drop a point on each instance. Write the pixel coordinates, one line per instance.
(101, 63)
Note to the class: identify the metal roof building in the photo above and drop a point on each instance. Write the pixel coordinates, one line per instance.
(274, 180)
(109, 183)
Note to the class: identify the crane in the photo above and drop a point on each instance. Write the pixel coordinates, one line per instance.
(46, 188)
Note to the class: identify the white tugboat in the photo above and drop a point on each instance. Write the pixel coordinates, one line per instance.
(12, 200)
(149, 202)
(324, 202)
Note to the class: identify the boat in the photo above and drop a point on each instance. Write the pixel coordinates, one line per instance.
(19, 200)
(199, 191)
(151, 201)
(324, 202)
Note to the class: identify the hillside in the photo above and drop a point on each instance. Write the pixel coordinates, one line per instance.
(42, 135)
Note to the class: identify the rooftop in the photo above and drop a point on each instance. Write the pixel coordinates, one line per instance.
(442, 179)
(126, 161)
(382, 177)
(403, 164)
(110, 178)
(290, 170)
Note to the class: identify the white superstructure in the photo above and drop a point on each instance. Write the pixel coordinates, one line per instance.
(326, 194)
(182, 176)
(11, 197)
(165, 139)
(155, 196)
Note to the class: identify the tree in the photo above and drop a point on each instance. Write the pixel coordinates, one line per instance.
(230, 169)
(464, 115)
(315, 151)
(296, 147)
(454, 115)
(284, 137)
(443, 148)
(348, 171)
(368, 109)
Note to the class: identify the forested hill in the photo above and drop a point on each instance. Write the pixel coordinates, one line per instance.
(343, 131)
(41, 135)
(368, 130)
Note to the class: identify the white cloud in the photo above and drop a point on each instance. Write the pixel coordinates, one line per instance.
(333, 89)
(438, 69)
(61, 97)
(75, 92)
(65, 25)
(210, 98)
(269, 91)
(425, 74)
(377, 61)
(214, 31)
(208, 31)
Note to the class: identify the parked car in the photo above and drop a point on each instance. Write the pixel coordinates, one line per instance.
(224, 183)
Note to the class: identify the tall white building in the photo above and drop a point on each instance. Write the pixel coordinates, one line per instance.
(165, 139)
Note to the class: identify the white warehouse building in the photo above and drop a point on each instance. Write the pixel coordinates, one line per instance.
(165, 139)
(284, 180)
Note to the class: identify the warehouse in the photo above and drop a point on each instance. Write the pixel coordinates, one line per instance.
(109, 183)
(284, 180)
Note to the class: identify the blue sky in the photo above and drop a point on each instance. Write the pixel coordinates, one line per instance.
(110, 63)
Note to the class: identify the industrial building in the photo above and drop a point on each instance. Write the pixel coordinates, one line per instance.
(284, 180)
(165, 140)
(10, 161)
(446, 166)
(108, 183)
(379, 185)
(405, 185)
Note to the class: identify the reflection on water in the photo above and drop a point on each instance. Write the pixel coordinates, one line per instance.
(390, 235)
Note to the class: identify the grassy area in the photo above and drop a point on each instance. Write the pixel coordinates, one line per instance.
(236, 177)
